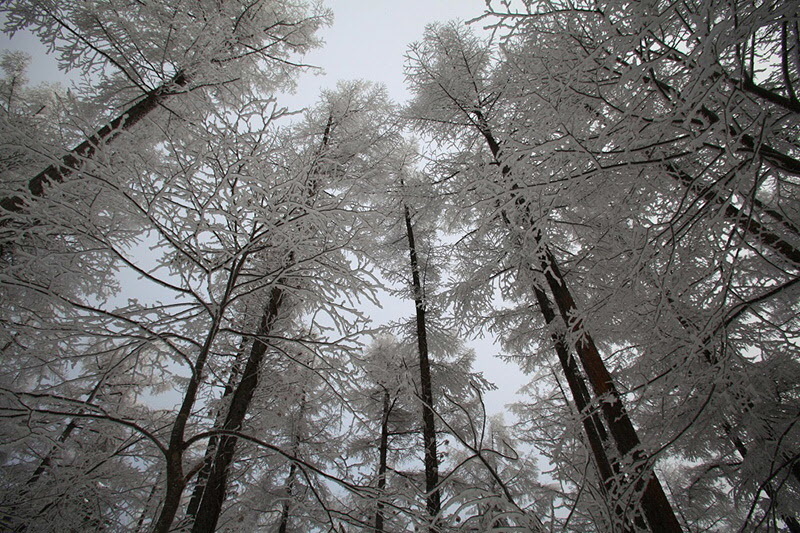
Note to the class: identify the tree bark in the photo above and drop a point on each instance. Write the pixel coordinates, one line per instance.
(175, 480)
(596, 433)
(383, 453)
(8, 518)
(210, 506)
(655, 505)
(213, 442)
(283, 524)
(433, 497)
(72, 162)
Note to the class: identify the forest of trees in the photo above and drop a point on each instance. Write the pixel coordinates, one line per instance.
(611, 189)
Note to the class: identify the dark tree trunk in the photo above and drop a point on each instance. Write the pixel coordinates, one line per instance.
(210, 506)
(173, 455)
(596, 433)
(45, 464)
(433, 497)
(175, 486)
(71, 426)
(655, 504)
(213, 442)
(383, 453)
(290, 479)
(283, 523)
(85, 150)
(145, 511)
(746, 224)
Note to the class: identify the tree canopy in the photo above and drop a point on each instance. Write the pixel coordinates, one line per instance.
(608, 189)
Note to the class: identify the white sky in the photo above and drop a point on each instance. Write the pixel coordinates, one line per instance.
(368, 40)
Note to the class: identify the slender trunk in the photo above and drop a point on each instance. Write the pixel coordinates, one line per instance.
(383, 452)
(213, 442)
(592, 424)
(287, 504)
(175, 480)
(210, 505)
(144, 513)
(283, 524)
(655, 504)
(747, 224)
(71, 162)
(213, 493)
(71, 426)
(433, 497)
(47, 461)
(175, 486)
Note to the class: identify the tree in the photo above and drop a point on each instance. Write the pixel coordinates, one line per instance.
(610, 189)
(386, 409)
(325, 165)
(207, 208)
(147, 54)
(448, 73)
(678, 195)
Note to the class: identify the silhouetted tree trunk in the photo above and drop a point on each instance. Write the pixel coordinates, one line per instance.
(210, 506)
(433, 497)
(383, 452)
(283, 524)
(655, 505)
(213, 442)
(596, 433)
(85, 150)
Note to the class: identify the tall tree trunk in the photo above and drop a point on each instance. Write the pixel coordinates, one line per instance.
(145, 510)
(746, 224)
(173, 455)
(433, 497)
(283, 524)
(210, 506)
(596, 433)
(383, 453)
(8, 518)
(74, 159)
(213, 493)
(71, 426)
(656, 506)
(213, 442)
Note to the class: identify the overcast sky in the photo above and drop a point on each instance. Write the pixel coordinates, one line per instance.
(368, 40)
